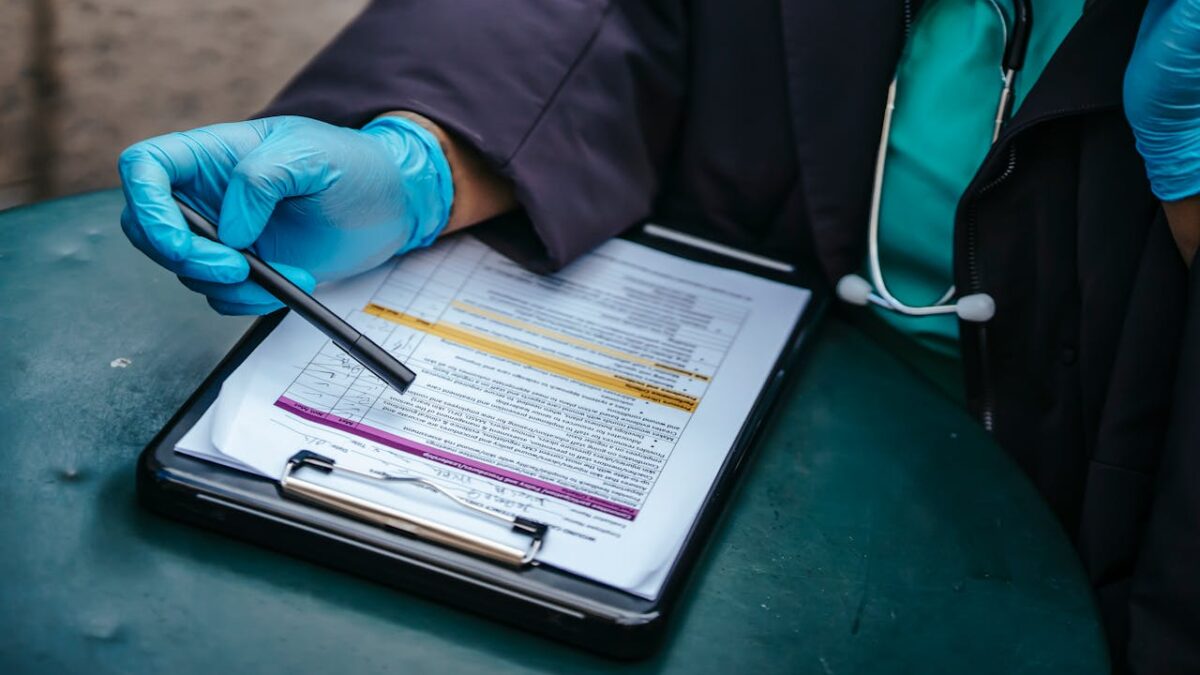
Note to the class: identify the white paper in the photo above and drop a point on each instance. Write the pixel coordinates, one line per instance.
(601, 400)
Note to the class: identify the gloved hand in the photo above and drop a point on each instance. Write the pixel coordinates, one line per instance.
(317, 201)
(1162, 96)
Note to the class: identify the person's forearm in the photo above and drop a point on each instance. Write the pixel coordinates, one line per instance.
(1184, 218)
(479, 191)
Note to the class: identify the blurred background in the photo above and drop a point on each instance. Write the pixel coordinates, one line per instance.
(82, 79)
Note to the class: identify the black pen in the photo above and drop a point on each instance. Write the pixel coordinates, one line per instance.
(360, 347)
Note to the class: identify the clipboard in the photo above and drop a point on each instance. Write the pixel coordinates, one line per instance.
(303, 519)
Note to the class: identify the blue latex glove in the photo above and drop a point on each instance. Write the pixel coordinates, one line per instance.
(318, 202)
(1162, 96)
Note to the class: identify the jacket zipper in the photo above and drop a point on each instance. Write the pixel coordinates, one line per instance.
(987, 415)
(987, 410)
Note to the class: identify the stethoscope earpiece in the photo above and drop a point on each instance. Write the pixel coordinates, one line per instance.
(976, 308)
(854, 290)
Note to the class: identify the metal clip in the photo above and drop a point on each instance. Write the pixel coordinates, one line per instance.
(417, 526)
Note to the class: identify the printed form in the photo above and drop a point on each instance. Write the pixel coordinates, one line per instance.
(601, 400)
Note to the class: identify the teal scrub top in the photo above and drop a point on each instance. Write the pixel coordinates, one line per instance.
(948, 86)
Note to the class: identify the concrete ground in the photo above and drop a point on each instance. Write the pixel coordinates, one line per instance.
(82, 79)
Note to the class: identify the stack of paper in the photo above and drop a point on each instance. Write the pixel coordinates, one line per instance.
(601, 400)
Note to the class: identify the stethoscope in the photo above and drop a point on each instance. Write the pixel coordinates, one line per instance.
(977, 307)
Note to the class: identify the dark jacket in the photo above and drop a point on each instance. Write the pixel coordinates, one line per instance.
(758, 122)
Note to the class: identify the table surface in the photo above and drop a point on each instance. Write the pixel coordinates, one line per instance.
(879, 530)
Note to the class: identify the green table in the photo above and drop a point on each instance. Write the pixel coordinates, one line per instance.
(880, 529)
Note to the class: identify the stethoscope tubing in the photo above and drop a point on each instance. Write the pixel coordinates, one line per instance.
(1016, 44)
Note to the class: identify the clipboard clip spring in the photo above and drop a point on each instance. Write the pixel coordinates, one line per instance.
(385, 516)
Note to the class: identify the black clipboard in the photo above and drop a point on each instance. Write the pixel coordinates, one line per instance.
(542, 599)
